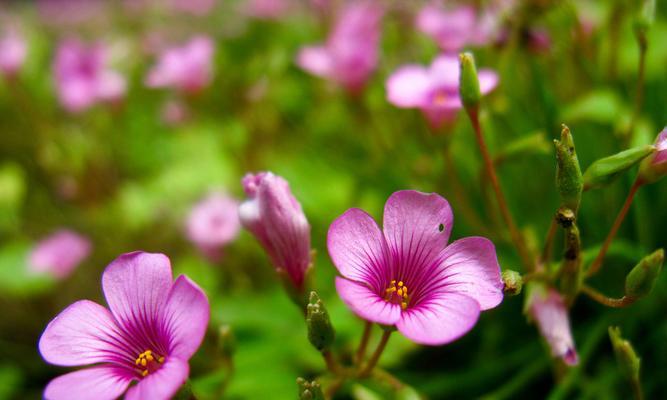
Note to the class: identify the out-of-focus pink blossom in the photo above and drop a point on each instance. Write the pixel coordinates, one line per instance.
(434, 89)
(83, 77)
(59, 254)
(350, 54)
(70, 12)
(188, 68)
(195, 7)
(267, 9)
(455, 28)
(13, 50)
(654, 166)
(212, 223)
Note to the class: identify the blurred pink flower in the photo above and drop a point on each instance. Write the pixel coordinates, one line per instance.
(212, 223)
(147, 335)
(455, 28)
(407, 275)
(547, 308)
(174, 112)
(435, 89)
(187, 68)
(274, 216)
(195, 7)
(660, 156)
(83, 77)
(59, 254)
(267, 9)
(71, 12)
(13, 51)
(350, 54)
(654, 166)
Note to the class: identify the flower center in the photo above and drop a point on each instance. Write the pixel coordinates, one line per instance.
(397, 294)
(148, 362)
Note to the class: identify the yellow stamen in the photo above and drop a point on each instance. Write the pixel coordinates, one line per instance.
(400, 283)
(144, 372)
(160, 360)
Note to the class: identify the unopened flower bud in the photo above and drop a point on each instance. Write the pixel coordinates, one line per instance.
(320, 331)
(640, 280)
(568, 174)
(605, 170)
(468, 81)
(309, 390)
(654, 167)
(512, 282)
(645, 17)
(626, 357)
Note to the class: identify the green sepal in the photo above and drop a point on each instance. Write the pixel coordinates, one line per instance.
(641, 279)
(468, 81)
(569, 180)
(605, 170)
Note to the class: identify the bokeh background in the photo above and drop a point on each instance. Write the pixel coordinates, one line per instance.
(126, 175)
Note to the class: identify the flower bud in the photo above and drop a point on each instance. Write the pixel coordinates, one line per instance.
(605, 170)
(468, 81)
(568, 174)
(626, 357)
(320, 331)
(640, 280)
(276, 219)
(645, 17)
(226, 342)
(512, 282)
(654, 167)
(309, 390)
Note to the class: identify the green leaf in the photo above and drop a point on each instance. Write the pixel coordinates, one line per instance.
(605, 170)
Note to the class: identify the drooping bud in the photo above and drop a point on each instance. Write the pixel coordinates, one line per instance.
(309, 390)
(512, 282)
(626, 357)
(605, 170)
(640, 280)
(568, 174)
(320, 331)
(655, 167)
(468, 81)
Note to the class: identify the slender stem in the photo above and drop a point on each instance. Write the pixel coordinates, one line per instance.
(376, 355)
(361, 351)
(390, 379)
(332, 364)
(639, 98)
(637, 389)
(333, 387)
(517, 238)
(597, 263)
(548, 243)
(607, 301)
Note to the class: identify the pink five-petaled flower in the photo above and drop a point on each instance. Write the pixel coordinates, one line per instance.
(350, 54)
(212, 223)
(83, 77)
(654, 166)
(188, 68)
(435, 89)
(547, 308)
(13, 50)
(276, 219)
(406, 275)
(453, 29)
(59, 254)
(151, 329)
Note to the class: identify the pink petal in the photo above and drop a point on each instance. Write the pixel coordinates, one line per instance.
(417, 227)
(316, 60)
(136, 286)
(439, 319)
(366, 303)
(99, 383)
(163, 383)
(358, 249)
(444, 72)
(186, 316)
(84, 333)
(110, 86)
(408, 86)
(661, 147)
(488, 80)
(470, 267)
(547, 308)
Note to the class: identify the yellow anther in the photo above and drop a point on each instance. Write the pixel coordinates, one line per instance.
(149, 357)
(160, 360)
(404, 305)
(400, 292)
(400, 283)
(144, 372)
(405, 290)
(143, 362)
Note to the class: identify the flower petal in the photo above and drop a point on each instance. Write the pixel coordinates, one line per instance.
(136, 286)
(99, 383)
(444, 72)
(367, 304)
(547, 308)
(84, 333)
(417, 227)
(439, 319)
(488, 80)
(316, 60)
(163, 383)
(408, 86)
(186, 317)
(470, 267)
(358, 249)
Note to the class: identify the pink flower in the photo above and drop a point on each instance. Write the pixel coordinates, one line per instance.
(275, 218)
(406, 275)
(434, 89)
(654, 166)
(547, 308)
(350, 54)
(212, 223)
(147, 335)
(83, 77)
(267, 9)
(59, 254)
(195, 7)
(453, 29)
(13, 50)
(660, 156)
(187, 68)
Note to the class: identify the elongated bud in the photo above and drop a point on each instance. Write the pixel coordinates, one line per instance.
(226, 341)
(309, 390)
(626, 357)
(570, 273)
(320, 331)
(513, 282)
(655, 167)
(568, 174)
(468, 81)
(645, 17)
(640, 280)
(605, 170)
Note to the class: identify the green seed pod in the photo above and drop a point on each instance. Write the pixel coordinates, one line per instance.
(605, 170)
(569, 181)
(640, 280)
(320, 331)
(468, 81)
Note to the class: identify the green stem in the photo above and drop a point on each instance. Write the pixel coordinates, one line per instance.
(607, 301)
(637, 389)
(332, 364)
(548, 244)
(363, 344)
(365, 372)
